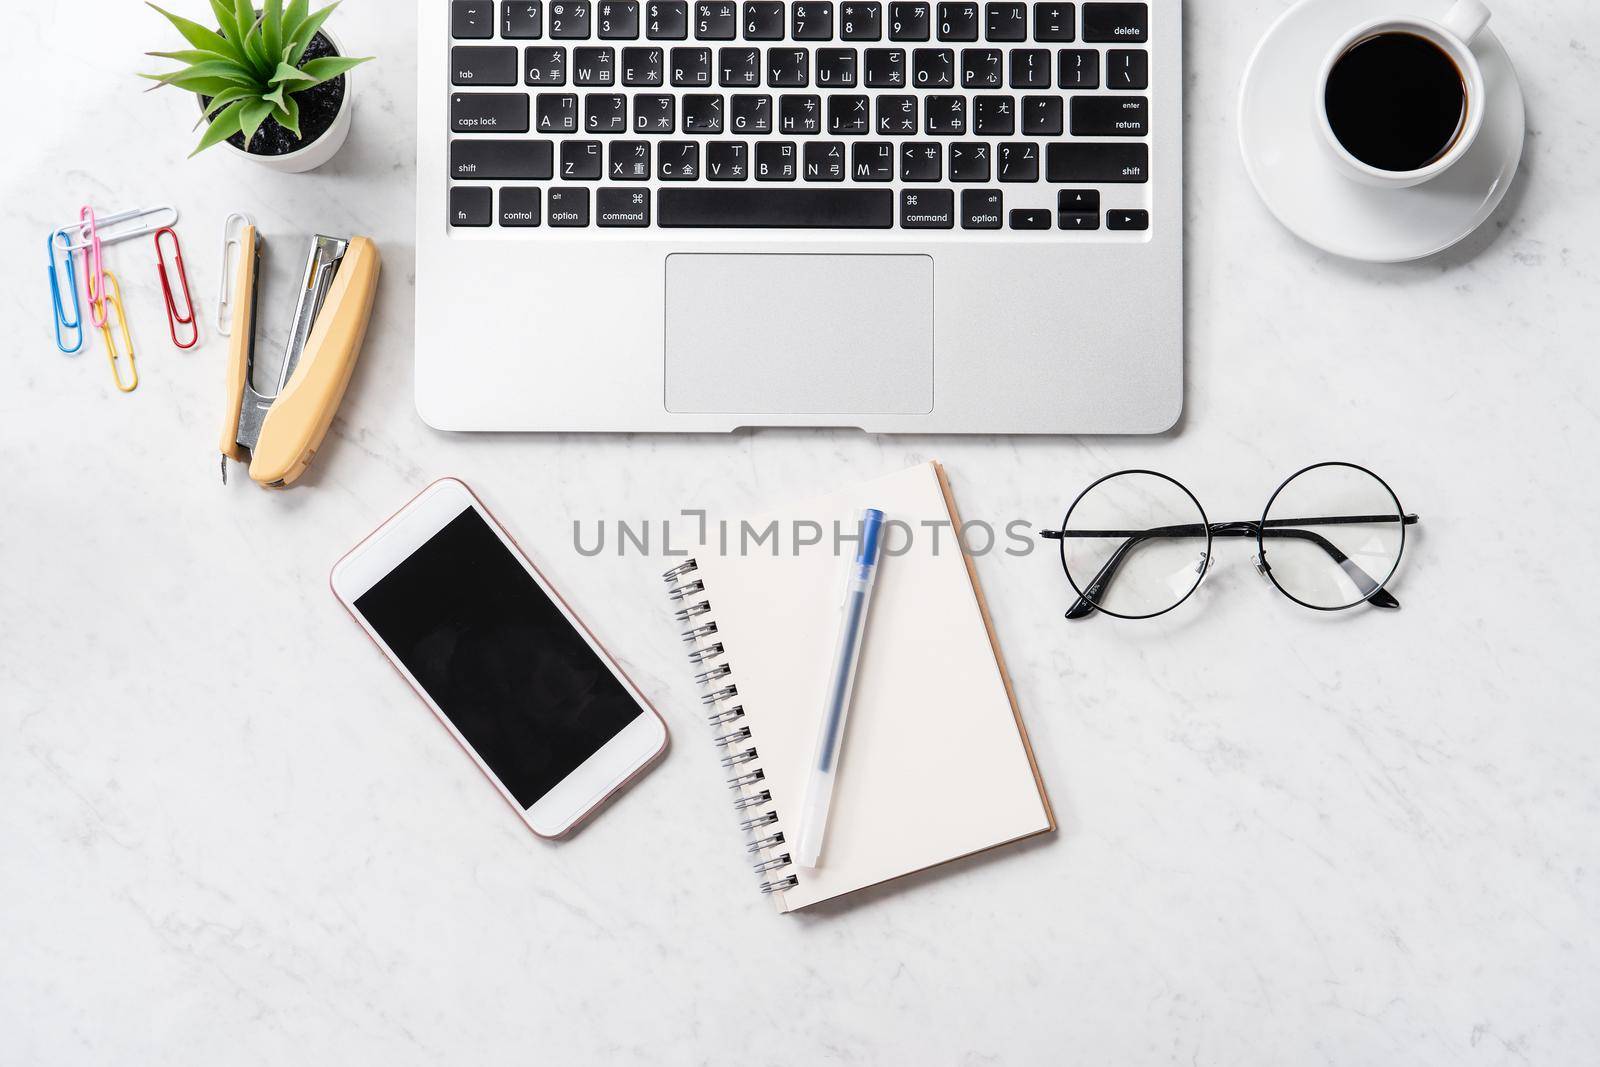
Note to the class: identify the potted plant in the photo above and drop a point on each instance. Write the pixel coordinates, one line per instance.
(273, 84)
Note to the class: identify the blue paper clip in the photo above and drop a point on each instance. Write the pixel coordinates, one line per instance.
(62, 241)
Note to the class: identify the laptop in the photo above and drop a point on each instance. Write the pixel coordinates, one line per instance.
(902, 216)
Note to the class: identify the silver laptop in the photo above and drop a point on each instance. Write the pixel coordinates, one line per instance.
(898, 215)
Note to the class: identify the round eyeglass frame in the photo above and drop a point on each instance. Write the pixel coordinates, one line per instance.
(1205, 521)
(1261, 544)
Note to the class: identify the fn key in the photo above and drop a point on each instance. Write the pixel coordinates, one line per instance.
(471, 205)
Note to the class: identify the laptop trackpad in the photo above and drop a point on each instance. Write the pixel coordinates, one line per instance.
(799, 334)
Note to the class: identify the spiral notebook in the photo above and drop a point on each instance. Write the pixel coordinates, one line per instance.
(936, 762)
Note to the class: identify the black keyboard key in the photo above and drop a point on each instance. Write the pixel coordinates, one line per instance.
(861, 21)
(849, 115)
(921, 161)
(872, 161)
(617, 20)
(569, 20)
(679, 161)
(666, 20)
(1078, 68)
(567, 206)
(836, 68)
(945, 116)
(702, 113)
(1078, 209)
(981, 209)
(520, 206)
(1127, 68)
(643, 67)
(750, 113)
(969, 162)
(483, 66)
(1030, 219)
(927, 209)
(933, 68)
(1005, 22)
(581, 161)
(812, 20)
(1017, 161)
(1055, 23)
(1128, 161)
(691, 66)
(521, 20)
(994, 116)
(1128, 220)
(556, 112)
(594, 66)
(489, 112)
(1109, 23)
(472, 205)
(776, 161)
(885, 68)
(982, 68)
(655, 114)
(909, 21)
(544, 66)
(727, 161)
(520, 159)
(472, 20)
(1110, 116)
(1030, 68)
(620, 206)
(629, 161)
(739, 67)
(800, 113)
(897, 116)
(824, 161)
(958, 22)
(788, 68)
(801, 208)
(763, 20)
(1041, 116)
(716, 20)
(605, 113)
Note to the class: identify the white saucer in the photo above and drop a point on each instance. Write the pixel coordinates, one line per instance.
(1292, 167)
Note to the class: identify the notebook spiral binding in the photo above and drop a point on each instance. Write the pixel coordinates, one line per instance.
(752, 802)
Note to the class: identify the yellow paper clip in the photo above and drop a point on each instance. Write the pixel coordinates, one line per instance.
(112, 298)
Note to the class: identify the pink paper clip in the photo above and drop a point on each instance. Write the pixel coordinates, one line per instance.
(93, 268)
(174, 318)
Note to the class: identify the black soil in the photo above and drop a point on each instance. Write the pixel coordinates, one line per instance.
(319, 105)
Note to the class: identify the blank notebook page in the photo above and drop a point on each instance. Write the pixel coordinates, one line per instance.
(935, 764)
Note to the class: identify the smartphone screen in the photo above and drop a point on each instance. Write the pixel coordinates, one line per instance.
(498, 657)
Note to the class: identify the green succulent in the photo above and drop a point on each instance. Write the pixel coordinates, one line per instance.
(251, 65)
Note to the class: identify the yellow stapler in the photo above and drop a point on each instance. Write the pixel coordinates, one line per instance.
(277, 435)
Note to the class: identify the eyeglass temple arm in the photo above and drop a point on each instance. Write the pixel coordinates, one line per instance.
(1374, 593)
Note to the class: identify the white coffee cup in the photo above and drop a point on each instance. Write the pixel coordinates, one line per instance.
(1453, 35)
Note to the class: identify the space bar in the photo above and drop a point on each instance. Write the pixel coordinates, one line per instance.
(813, 209)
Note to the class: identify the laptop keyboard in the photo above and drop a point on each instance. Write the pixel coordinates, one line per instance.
(799, 114)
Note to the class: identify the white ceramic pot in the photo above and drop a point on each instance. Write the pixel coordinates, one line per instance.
(313, 155)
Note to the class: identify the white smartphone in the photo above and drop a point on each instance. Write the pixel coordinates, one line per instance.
(508, 669)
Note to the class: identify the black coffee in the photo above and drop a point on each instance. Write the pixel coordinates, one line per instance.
(1396, 101)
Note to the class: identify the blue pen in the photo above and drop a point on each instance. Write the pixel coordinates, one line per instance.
(841, 679)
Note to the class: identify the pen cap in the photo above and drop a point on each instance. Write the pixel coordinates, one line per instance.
(871, 525)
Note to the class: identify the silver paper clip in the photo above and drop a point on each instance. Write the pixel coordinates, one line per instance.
(109, 233)
(230, 263)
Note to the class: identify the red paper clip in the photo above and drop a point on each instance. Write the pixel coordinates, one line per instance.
(174, 319)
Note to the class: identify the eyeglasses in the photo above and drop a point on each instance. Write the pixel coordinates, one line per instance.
(1128, 542)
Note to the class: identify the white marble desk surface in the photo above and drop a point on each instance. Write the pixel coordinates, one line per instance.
(229, 835)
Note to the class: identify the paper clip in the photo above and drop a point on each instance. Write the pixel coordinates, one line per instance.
(59, 240)
(93, 266)
(174, 319)
(231, 244)
(106, 231)
(113, 300)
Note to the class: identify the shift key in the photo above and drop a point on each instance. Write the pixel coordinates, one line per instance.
(1089, 164)
(489, 112)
